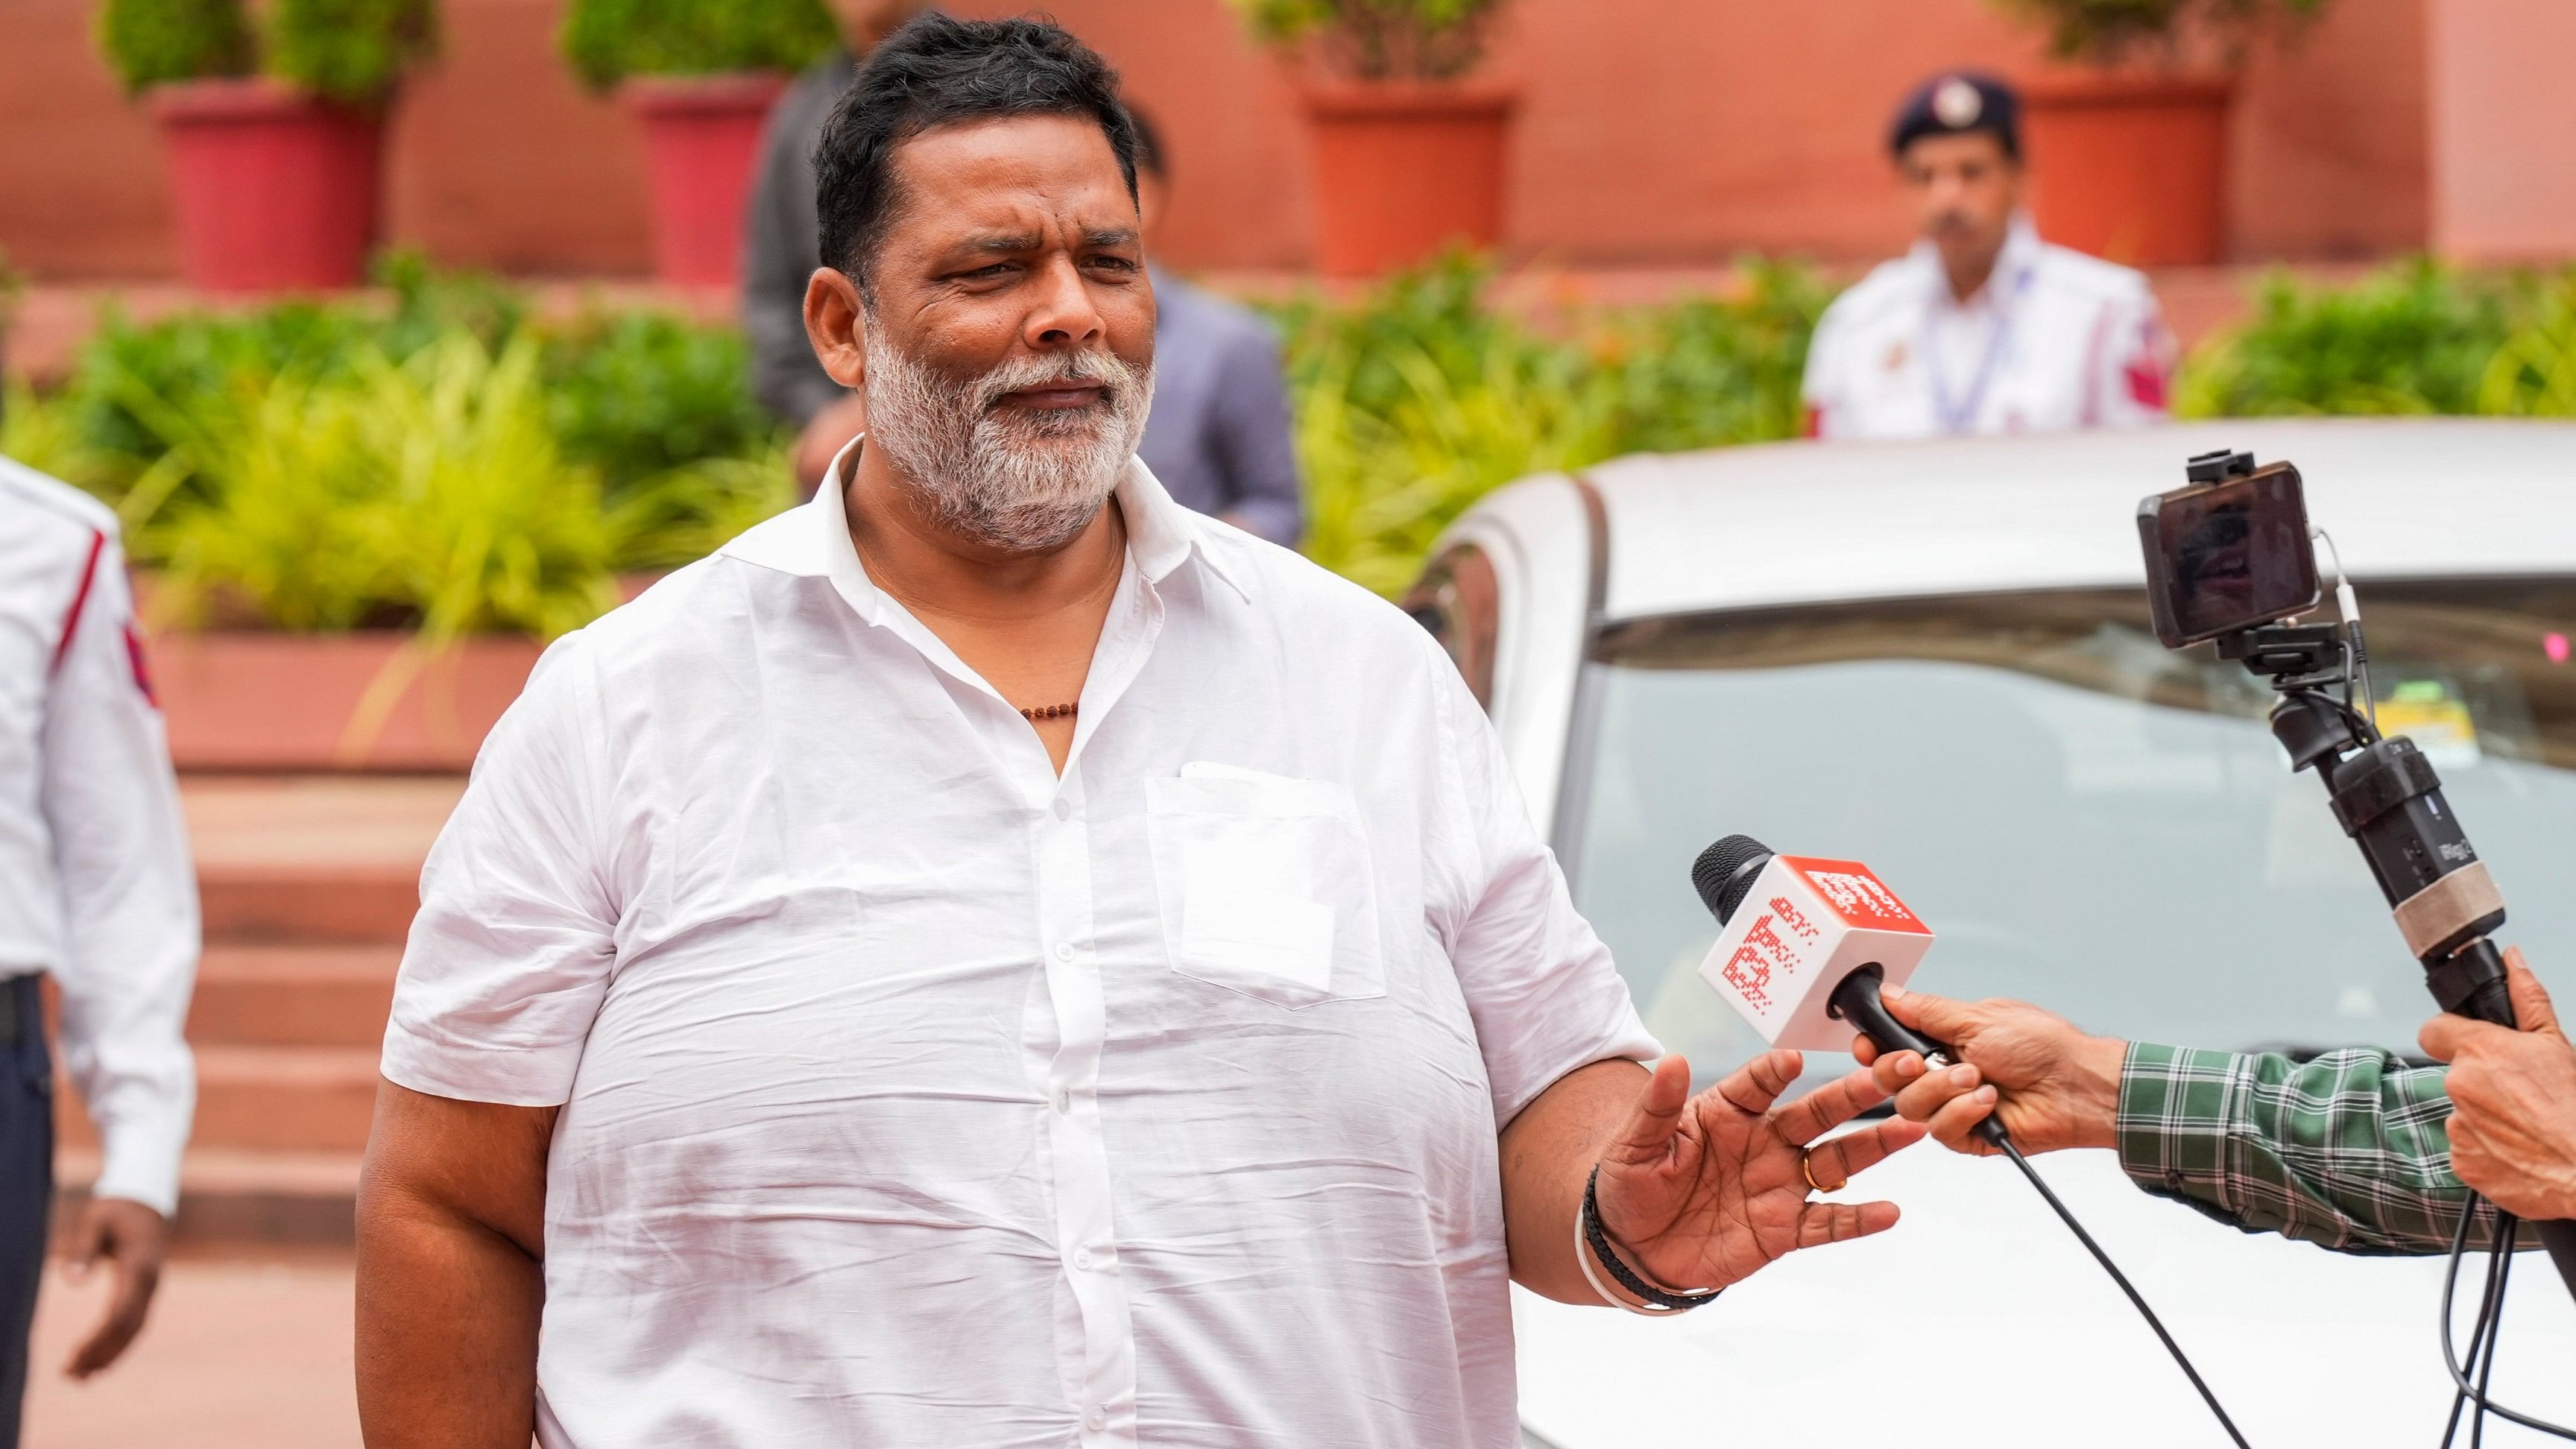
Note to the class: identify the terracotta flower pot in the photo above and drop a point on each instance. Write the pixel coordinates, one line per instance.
(2128, 166)
(304, 702)
(275, 190)
(701, 141)
(1403, 169)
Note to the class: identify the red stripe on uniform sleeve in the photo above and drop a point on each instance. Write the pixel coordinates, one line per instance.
(80, 601)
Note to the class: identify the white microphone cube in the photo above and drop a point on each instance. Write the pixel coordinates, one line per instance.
(1804, 926)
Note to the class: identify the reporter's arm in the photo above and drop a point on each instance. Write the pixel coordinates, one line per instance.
(2347, 1150)
(451, 1231)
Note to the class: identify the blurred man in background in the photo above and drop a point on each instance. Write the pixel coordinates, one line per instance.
(781, 247)
(1218, 437)
(1982, 327)
(95, 889)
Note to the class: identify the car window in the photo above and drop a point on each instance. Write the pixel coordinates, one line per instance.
(2086, 820)
(1456, 600)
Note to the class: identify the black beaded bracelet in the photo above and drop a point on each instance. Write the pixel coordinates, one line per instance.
(1619, 1271)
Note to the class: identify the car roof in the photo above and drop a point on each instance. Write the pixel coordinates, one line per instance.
(1790, 523)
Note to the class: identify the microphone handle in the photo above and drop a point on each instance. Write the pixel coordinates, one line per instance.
(1855, 1000)
(2471, 983)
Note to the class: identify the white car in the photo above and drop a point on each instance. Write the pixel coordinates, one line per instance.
(1936, 658)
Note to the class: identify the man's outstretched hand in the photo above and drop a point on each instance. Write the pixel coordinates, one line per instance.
(133, 1239)
(2054, 1085)
(2513, 1101)
(1701, 1191)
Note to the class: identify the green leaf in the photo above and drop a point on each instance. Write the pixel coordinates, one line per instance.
(608, 40)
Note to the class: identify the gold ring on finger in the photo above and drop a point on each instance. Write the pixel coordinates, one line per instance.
(1807, 1170)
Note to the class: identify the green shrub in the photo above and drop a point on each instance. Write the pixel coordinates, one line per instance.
(2417, 338)
(691, 511)
(428, 492)
(348, 50)
(1707, 371)
(2533, 374)
(1421, 397)
(637, 394)
(609, 40)
(197, 353)
(234, 443)
(150, 42)
(1379, 39)
(2106, 31)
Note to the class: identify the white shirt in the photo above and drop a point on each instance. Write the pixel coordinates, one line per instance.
(2054, 341)
(95, 882)
(915, 1096)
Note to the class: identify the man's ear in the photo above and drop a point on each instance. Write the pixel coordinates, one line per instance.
(835, 323)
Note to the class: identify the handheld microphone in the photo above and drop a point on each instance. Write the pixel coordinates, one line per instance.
(1825, 937)
(1821, 940)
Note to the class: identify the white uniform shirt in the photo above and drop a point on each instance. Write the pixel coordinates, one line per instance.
(95, 883)
(2054, 341)
(916, 1096)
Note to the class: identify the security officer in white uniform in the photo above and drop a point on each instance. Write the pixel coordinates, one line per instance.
(96, 890)
(1982, 327)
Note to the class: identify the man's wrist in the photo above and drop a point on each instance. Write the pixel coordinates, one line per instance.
(2094, 1069)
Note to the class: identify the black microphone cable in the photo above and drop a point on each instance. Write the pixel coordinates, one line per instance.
(2486, 1331)
(2477, 1341)
(2136, 1298)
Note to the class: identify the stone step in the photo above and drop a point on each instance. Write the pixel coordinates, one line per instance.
(313, 859)
(307, 903)
(229, 1198)
(266, 1098)
(293, 995)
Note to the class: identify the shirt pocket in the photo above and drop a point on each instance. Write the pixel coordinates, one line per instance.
(1266, 884)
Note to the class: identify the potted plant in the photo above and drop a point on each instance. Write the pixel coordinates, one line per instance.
(1407, 146)
(701, 76)
(2128, 142)
(275, 127)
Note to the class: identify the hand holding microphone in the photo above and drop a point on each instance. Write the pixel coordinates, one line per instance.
(1806, 943)
(2051, 1085)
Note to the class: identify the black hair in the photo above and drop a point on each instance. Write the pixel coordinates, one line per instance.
(940, 71)
(1149, 145)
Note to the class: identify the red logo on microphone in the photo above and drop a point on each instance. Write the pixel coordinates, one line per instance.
(1764, 951)
(1857, 896)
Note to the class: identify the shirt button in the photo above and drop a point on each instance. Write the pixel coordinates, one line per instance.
(1095, 1421)
(1064, 950)
(1082, 1259)
(1064, 1099)
(1064, 810)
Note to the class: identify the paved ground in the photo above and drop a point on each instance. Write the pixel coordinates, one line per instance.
(237, 1356)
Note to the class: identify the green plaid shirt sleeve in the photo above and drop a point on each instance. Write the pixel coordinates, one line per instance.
(2350, 1150)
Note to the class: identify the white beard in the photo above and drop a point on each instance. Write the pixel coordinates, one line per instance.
(1024, 480)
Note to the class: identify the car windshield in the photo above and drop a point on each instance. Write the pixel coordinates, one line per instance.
(2086, 820)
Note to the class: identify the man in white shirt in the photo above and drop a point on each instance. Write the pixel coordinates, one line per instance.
(993, 957)
(95, 889)
(1982, 327)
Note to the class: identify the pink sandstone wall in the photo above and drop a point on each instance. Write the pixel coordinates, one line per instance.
(2502, 115)
(1653, 132)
